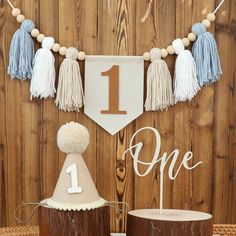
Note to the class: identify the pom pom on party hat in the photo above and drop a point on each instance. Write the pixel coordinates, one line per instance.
(75, 189)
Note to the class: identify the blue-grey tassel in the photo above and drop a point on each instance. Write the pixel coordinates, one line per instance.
(22, 52)
(206, 56)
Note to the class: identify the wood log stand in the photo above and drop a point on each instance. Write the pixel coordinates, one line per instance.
(53, 222)
(148, 222)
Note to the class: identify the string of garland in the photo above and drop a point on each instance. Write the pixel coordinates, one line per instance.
(192, 70)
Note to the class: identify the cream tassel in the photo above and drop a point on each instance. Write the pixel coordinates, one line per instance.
(70, 90)
(185, 79)
(43, 78)
(159, 83)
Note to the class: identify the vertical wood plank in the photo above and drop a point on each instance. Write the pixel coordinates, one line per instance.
(154, 33)
(48, 24)
(13, 157)
(3, 144)
(115, 37)
(224, 126)
(30, 134)
(85, 39)
(202, 143)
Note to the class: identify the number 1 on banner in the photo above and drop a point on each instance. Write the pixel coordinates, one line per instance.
(72, 170)
(113, 75)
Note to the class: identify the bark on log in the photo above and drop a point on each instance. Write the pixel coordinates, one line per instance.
(148, 222)
(53, 222)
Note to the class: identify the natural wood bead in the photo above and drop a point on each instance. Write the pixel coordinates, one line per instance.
(35, 33)
(146, 56)
(16, 12)
(192, 37)
(186, 42)
(171, 50)
(81, 55)
(56, 47)
(211, 17)
(206, 23)
(164, 53)
(20, 18)
(40, 38)
(62, 51)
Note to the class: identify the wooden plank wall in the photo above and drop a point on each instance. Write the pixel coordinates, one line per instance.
(29, 158)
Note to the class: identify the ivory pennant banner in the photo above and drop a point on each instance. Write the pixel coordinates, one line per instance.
(113, 90)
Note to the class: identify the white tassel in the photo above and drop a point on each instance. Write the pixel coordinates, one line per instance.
(159, 84)
(185, 78)
(43, 78)
(70, 90)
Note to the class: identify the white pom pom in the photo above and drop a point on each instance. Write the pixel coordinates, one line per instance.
(73, 138)
(35, 33)
(40, 38)
(206, 23)
(164, 53)
(186, 42)
(192, 37)
(56, 47)
(62, 51)
(146, 56)
(81, 55)
(211, 17)
(16, 12)
(20, 18)
(170, 50)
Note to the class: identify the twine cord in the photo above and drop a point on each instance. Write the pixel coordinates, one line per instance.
(112, 204)
(147, 13)
(36, 204)
(115, 205)
(218, 7)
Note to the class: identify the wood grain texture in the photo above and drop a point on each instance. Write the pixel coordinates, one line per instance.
(29, 158)
(53, 222)
(145, 223)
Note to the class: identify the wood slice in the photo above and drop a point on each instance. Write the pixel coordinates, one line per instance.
(53, 222)
(149, 222)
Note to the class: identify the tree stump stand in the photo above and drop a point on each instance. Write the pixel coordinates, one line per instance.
(53, 222)
(149, 222)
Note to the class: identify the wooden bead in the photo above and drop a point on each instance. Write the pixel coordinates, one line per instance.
(40, 38)
(81, 55)
(146, 56)
(206, 23)
(192, 37)
(20, 18)
(186, 42)
(35, 33)
(16, 12)
(164, 53)
(56, 47)
(211, 17)
(62, 51)
(171, 50)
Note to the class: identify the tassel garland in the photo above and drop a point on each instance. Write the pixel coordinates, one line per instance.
(22, 52)
(70, 90)
(43, 78)
(206, 56)
(159, 83)
(185, 77)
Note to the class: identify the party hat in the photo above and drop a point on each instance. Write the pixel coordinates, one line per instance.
(75, 189)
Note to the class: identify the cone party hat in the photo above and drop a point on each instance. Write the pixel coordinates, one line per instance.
(75, 189)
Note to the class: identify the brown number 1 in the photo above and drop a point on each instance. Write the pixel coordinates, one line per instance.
(113, 75)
